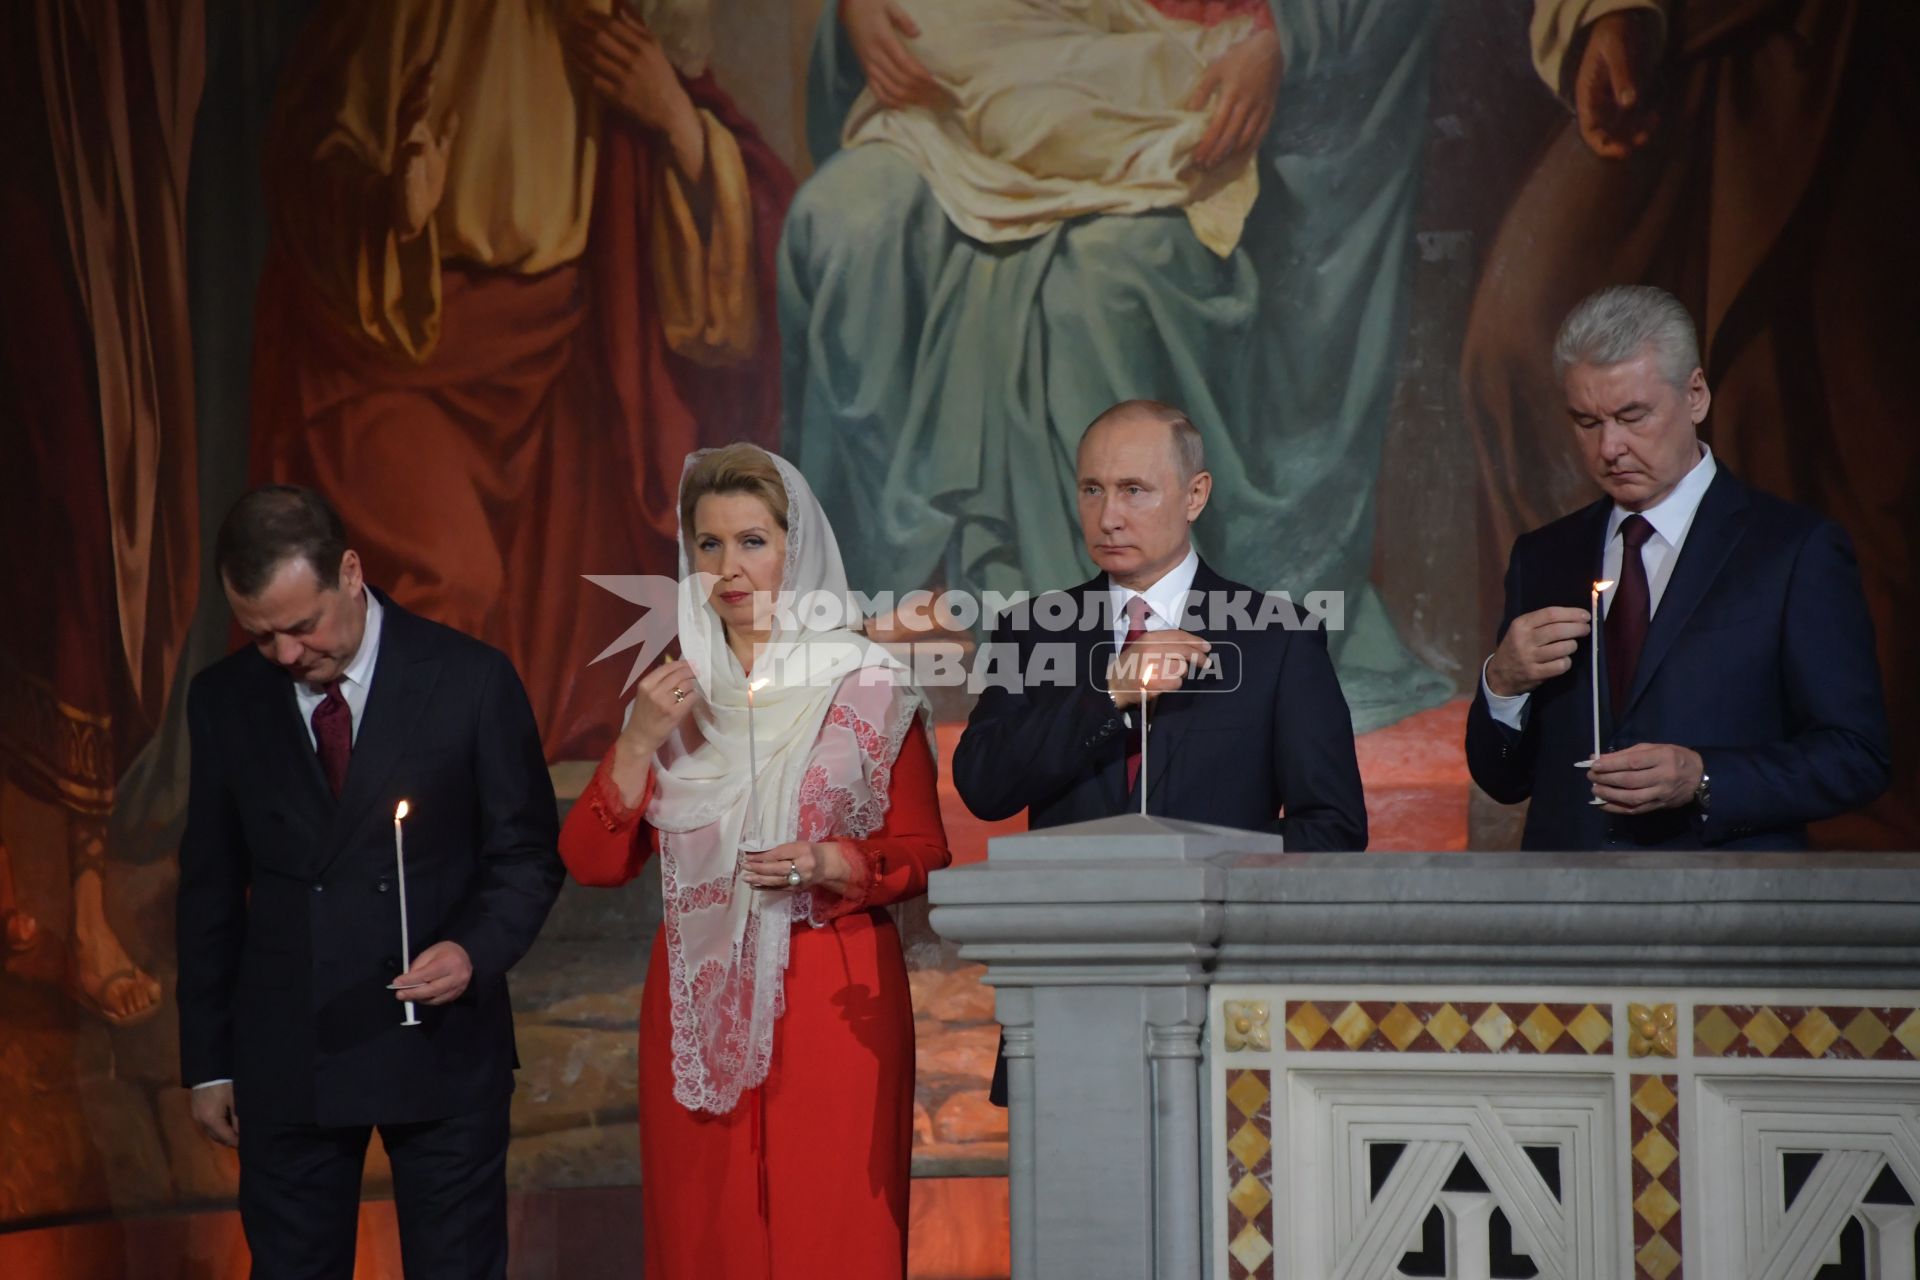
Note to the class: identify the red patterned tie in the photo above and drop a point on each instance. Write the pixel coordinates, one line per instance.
(1627, 616)
(1137, 613)
(333, 736)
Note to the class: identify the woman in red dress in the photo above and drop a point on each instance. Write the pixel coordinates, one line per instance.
(776, 1034)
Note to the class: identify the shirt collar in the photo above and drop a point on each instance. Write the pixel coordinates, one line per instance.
(360, 670)
(1167, 596)
(1673, 514)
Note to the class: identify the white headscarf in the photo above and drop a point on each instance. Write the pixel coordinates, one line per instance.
(727, 942)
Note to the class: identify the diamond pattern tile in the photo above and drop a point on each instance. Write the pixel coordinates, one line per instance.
(1353, 1026)
(1306, 1024)
(1765, 1032)
(1456, 1026)
(1714, 1031)
(1542, 1028)
(1250, 1196)
(1908, 1033)
(1250, 1249)
(1655, 1099)
(1249, 1145)
(1401, 1026)
(1816, 1032)
(1493, 1028)
(1654, 1153)
(1657, 1260)
(1248, 1093)
(1591, 1028)
(1866, 1034)
(1447, 1027)
(1654, 1130)
(1249, 1175)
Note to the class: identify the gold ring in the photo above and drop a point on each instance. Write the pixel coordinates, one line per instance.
(679, 695)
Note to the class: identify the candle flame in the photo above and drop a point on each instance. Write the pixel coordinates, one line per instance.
(400, 812)
(1602, 585)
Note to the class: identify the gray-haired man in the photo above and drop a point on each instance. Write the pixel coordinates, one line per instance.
(1737, 694)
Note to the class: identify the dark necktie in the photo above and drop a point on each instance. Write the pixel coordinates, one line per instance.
(1137, 611)
(333, 736)
(1628, 614)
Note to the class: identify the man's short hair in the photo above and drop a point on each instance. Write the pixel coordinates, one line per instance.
(1619, 322)
(1189, 450)
(272, 525)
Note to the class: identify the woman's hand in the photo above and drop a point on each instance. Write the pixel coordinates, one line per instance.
(1243, 84)
(666, 696)
(878, 31)
(821, 865)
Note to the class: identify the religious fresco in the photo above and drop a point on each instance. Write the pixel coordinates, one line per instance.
(460, 285)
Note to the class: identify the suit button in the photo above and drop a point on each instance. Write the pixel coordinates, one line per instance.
(318, 887)
(382, 887)
(391, 964)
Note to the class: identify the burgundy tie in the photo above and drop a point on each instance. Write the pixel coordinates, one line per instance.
(1137, 611)
(333, 736)
(1628, 614)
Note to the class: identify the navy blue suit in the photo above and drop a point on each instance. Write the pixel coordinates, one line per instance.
(1271, 733)
(289, 924)
(1759, 656)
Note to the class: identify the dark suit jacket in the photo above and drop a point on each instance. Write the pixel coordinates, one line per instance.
(1760, 657)
(1272, 733)
(289, 922)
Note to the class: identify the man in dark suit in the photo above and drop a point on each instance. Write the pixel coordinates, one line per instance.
(1246, 723)
(291, 972)
(1738, 695)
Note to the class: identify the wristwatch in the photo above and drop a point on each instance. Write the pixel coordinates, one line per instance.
(1702, 794)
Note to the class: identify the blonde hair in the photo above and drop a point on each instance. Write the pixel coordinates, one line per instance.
(738, 468)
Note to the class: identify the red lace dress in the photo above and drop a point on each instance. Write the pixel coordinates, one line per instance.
(807, 1176)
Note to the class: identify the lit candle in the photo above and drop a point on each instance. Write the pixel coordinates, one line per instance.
(400, 874)
(1593, 667)
(753, 755)
(1146, 675)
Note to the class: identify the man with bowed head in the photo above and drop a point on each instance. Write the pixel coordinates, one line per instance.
(291, 973)
(1738, 696)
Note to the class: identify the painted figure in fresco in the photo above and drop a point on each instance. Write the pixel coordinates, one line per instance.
(1732, 674)
(521, 264)
(98, 527)
(776, 1030)
(1026, 211)
(1756, 159)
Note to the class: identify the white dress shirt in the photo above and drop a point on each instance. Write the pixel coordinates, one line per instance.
(355, 681)
(1166, 601)
(1167, 598)
(1670, 517)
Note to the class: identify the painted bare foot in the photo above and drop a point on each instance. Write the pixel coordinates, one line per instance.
(18, 930)
(101, 977)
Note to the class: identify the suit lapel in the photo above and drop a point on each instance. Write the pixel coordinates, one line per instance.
(276, 721)
(1717, 528)
(1174, 712)
(1093, 598)
(403, 680)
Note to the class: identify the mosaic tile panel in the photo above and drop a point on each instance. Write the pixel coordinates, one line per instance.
(1653, 1129)
(1852, 1032)
(1465, 1026)
(1249, 1175)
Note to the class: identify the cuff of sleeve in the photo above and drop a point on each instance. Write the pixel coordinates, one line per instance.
(1511, 712)
(602, 798)
(862, 881)
(208, 1084)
